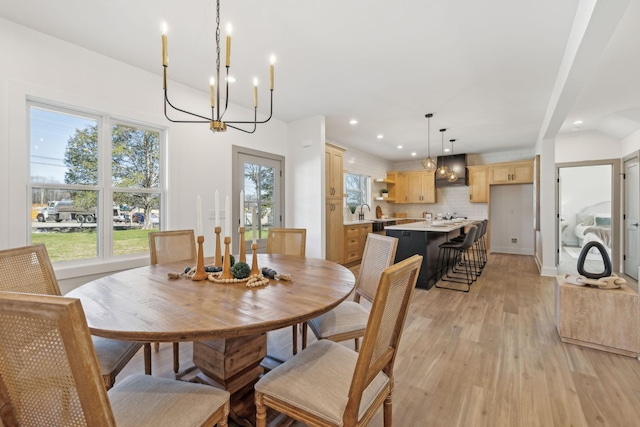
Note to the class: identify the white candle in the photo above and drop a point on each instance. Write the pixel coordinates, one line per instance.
(242, 208)
(199, 208)
(227, 217)
(253, 223)
(216, 211)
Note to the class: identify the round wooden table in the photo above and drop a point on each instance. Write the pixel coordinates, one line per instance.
(226, 322)
(143, 304)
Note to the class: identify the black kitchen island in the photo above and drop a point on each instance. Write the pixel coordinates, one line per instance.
(424, 238)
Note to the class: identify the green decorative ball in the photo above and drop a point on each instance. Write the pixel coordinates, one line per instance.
(241, 270)
(232, 260)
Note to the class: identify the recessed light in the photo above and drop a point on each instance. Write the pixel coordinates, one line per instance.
(413, 154)
(380, 136)
(231, 79)
(399, 147)
(353, 122)
(577, 122)
(446, 150)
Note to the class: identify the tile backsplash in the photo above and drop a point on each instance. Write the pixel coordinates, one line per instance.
(449, 200)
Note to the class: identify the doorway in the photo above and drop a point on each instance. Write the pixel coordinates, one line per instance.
(587, 211)
(259, 176)
(631, 208)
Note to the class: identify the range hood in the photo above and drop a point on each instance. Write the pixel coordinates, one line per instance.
(459, 164)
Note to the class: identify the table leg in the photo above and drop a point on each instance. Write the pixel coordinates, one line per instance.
(233, 364)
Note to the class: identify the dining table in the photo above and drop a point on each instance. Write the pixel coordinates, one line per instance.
(227, 322)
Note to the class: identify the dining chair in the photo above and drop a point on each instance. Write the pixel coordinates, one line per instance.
(28, 269)
(50, 375)
(328, 384)
(170, 246)
(288, 241)
(349, 319)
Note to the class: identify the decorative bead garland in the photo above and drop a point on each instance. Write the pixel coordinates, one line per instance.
(252, 281)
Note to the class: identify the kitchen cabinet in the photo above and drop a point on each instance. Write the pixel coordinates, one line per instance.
(511, 173)
(415, 187)
(355, 237)
(334, 236)
(478, 184)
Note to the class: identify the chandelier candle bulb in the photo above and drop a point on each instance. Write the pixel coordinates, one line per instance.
(255, 93)
(164, 44)
(229, 31)
(273, 61)
(212, 92)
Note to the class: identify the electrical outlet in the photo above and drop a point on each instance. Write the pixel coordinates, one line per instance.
(514, 240)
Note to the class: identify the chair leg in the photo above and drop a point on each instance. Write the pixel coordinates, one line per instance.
(387, 412)
(176, 357)
(304, 335)
(294, 339)
(357, 344)
(147, 358)
(261, 411)
(156, 346)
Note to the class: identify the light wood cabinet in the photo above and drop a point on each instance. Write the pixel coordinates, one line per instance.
(355, 237)
(415, 187)
(333, 203)
(478, 184)
(511, 173)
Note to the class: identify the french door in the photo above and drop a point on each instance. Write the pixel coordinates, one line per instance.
(259, 175)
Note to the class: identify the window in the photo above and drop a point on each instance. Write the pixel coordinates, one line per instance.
(358, 189)
(95, 183)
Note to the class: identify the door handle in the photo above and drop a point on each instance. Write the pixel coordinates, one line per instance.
(635, 225)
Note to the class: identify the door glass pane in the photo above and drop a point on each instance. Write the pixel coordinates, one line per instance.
(260, 207)
(66, 222)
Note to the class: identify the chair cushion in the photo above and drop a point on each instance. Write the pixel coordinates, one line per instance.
(113, 354)
(318, 379)
(348, 316)
(145, 400)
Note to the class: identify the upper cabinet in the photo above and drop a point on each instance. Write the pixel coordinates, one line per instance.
(511, 173)
(415, 187)
(478, 184)
(333, 157)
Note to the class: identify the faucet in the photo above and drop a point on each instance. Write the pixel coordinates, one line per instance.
(361, 215)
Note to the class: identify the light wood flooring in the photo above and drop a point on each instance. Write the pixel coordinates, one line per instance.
(493, 357)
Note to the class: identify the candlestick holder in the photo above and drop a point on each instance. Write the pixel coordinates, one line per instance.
(218, 258)
(243, 254)
(226, 264)
(200, 273)
(254, 264)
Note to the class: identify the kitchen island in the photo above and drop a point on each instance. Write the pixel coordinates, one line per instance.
(424, 238)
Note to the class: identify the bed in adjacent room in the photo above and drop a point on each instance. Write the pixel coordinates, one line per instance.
(593, 224)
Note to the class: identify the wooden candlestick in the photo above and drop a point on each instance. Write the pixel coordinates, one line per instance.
(243, 255)
(254, 265)
(200, 273)
(226, 264)
(218, 258)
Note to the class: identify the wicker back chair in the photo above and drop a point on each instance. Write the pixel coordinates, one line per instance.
(348, 319)
(29, 270)
(287, 241)
(50, 375)
(329, 384)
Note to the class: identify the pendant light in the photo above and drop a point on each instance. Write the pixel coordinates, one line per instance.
(452, 176)
(442, 171)
(429, 164)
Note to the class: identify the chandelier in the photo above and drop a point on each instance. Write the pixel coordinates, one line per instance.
(451, 175)
(442, 171)
(216, 123)
(428, 164)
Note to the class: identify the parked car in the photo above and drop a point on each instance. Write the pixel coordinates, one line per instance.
(153, 219)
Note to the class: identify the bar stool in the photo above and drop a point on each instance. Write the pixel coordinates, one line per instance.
(456, 261)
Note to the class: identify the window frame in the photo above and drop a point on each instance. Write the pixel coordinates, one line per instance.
(104, 187)
(365, 195)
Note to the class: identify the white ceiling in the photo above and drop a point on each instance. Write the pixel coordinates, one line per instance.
(486, 69)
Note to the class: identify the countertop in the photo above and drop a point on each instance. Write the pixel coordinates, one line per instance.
(446, 226)
(363, 221)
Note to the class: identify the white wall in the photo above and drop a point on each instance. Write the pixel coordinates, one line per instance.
(582, 146)
(36, 65)
(630, 144)
(512, 218)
